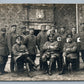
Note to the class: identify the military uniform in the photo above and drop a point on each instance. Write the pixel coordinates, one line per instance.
(51, 53)
(19, 59)
(61, 38)
(76, 38)
(30, 43)
(4, 51)
(70, 56)
(41, 39)
(24, 38)
(82, 44)
(12, 41)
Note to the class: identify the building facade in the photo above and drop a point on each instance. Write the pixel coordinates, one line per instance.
(34, 15)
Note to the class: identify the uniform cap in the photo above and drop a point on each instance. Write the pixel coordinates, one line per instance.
(14, 26)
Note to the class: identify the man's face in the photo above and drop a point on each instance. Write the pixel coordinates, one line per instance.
(13, 29)
(51, 39)
(43, 28)
(18, 40)
(48, 27)
(31, 32)
(62, 30)
(53, 28)
(73, 30)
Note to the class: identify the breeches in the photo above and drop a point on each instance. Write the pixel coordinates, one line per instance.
(73, 63)
(82, 52)
(3, 61)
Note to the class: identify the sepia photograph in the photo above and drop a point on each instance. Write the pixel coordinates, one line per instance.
(41, 42)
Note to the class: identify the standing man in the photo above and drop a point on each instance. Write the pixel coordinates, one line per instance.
(12, 41)
(41, 39)
(3, 50)
(61, 39)
(82, 43)
(23, 30)
(75, 35)
(30, 43)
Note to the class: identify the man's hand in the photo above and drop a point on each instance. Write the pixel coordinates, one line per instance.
(68, 49)
(20, 54)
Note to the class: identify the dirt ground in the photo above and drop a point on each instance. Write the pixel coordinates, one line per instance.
(39, 76)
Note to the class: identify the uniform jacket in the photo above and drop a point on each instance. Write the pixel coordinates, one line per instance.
(72, 50)
(4, 51)
(82, 41)
(24, 38)
(75, 37)
(30, 43)
(41, 39)
(51, 47)
(17, 49)
(11, 40)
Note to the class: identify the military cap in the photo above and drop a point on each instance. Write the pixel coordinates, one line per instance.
(69, 35)
(43, 26)
(23, 27)
(13, 25)
(3, 29)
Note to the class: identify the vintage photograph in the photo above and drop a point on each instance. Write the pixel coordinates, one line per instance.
(41, 42)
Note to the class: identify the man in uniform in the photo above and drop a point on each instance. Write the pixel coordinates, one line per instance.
(76, 38)
(51, 51)
(21, 55)
(30, 43)
(4, 51)
(61, 38)
(41, 39)
(70, 50)
(56, 34)
(82, 43)
(12, 41)
(23, 30)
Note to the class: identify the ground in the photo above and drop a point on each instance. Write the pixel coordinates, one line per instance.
(39, 76)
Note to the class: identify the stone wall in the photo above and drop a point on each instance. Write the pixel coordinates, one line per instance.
(65, 15)
(12, 14)
(81, 17)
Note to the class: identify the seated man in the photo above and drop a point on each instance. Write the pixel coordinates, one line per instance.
(69, 54)
(21, 54)
(51, 53)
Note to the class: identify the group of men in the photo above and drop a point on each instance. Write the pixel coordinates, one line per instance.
(57, 49)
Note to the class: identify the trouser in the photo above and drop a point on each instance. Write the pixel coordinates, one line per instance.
(60, 62)
(3, 61)
(40, 61)
(24, 59)
(32, 57)
(68, 61)
(12, 63)
(82, 52)
(52, 59)
(57, 59)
